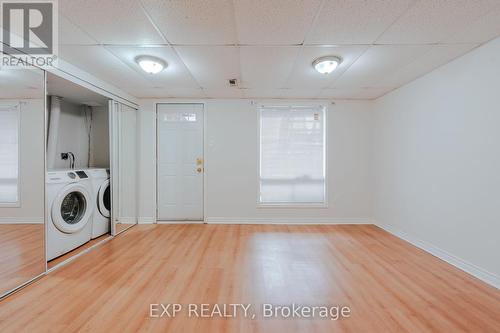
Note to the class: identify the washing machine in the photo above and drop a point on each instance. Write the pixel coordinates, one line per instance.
(101, 191)
(70, 209)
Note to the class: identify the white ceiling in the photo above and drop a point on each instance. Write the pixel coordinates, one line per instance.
(21, 84)
(268, 45)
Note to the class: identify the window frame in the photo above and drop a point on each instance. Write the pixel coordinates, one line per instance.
(324, 109)
(17, 107)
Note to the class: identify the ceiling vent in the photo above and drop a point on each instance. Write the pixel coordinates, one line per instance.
(233, 82)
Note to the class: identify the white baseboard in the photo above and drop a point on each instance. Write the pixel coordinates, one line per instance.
(179, 222)
(480, 273)
(289, 220)
(146, 220)
(21, 220)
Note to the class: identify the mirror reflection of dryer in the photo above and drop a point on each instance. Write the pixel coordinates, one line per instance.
(101, 192)
(70, 209)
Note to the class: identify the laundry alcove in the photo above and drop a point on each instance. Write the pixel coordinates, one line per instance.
(68, 150)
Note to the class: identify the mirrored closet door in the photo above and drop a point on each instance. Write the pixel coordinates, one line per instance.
(22, 177)
(123, 167)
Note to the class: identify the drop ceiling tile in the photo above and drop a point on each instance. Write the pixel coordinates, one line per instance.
(212, 66)
(300, 93)
(198, 22)
(145, 92)
(229, 92)
(176, 75)
(355, 21)
(378, 62)
(354, 93)
(482, 30)
(305, 76)
(111, 21)
(266, 66)
(262, 93)
(431, 21)
(275, 22)
(435, 57)
(69, 33)
(97, 61)
(25, 78)
(21, 84)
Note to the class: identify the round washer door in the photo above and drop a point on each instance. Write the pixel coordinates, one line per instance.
(104, 199)
(72, 208)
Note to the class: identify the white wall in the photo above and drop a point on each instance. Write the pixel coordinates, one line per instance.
(437, 161)
(231, 165)
(73, 136)
(99, 157)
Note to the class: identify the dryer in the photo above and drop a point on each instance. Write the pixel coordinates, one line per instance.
(70, 209)
(101, 191)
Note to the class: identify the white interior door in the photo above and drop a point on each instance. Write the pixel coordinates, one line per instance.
(180, 162)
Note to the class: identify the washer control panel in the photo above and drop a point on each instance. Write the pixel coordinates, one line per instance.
(82, 174)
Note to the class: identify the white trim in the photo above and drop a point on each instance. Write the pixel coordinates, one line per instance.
(292, 205)
(22, 220)
(180, 222)
(478, 272)
(288, 220)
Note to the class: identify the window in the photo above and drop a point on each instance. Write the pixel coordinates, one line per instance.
(9, 154)
(292, 155)
(179, 117)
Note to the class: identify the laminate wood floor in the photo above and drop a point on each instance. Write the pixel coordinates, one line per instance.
(388, 284)
(22, 254)
(56, 261)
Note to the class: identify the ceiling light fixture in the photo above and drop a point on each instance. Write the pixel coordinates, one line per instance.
(150, 64)
(326, 65)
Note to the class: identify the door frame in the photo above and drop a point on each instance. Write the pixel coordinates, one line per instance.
(204, 150)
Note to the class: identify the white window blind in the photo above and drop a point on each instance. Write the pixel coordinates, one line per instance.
(9, 154)
(292, 155)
